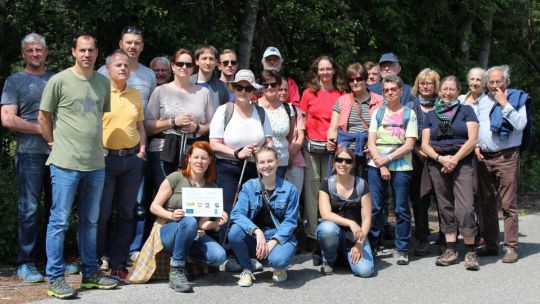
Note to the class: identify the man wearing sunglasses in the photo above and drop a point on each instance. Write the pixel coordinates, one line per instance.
(272, 60)
(206, 60)
(389, 65)
(228, 65)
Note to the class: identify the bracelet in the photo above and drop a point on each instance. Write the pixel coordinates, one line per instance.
(389, 157)
(437, 158)
(197, 129)
(173, 123)
(236, 152)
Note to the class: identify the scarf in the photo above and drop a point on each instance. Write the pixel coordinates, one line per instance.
(426, 102)
(446, 110)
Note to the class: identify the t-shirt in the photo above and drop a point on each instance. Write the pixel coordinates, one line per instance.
(280, 123)
(318, 108)
(458, 127)
(177, 181)
(240, 131)
(293, 94)
(166, 102)
(143, 79)
(24, 90)
(120, 124)
(390, 138)
(78, 105)
(355, 124)
(350, 207)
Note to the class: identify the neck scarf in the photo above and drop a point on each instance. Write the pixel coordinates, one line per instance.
(446, 110)
(426, 102)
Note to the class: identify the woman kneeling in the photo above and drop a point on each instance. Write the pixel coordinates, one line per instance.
(265, 217)
(345, 206)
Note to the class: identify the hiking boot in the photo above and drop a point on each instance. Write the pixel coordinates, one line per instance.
(471, 261)
(60, 289)
(488, 250)
(246, 278)
(510, 255)
(448, 258)
(120, 274)
(29, 274)
(178, 280)
(326, 268)
(279, 275)
(403, 258)
(70, 269)
(423, 248)
(104, 264)
(99, 281)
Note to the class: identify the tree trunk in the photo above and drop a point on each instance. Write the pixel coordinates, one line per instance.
(467, 13)
(485, 39)
(246, 34)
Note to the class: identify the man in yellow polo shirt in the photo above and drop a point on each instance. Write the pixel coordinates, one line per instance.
(124, 145)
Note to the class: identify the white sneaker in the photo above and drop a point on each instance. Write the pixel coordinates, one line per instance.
(104, 264)
(231, 265)
(133, 257)
(246, 278)
(279, 275)
(257, 266)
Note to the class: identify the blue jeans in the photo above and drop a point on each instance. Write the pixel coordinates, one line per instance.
(65, 183)
(332, 238)
(32, 177)
(180, 238)
(400, 186)
(122, 177)
(244, 248)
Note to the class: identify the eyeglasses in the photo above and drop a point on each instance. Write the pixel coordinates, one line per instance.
(229, 62)
(357, 79)
(181, 64)
(393, 90)
(270, 84)
(426, 84)
(239, 88)
(449, 90)
(348, 161)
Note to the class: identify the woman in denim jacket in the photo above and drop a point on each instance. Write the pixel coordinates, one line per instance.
(264, 228)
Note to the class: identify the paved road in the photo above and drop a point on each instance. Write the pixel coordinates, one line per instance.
(419, 282)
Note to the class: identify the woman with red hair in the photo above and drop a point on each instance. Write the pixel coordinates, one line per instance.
(175, 232)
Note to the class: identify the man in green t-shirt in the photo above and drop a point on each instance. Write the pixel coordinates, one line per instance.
(70, 117)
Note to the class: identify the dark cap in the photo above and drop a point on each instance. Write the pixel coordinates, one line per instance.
(389, 57)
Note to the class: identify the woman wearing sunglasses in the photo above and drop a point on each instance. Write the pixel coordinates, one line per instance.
(281, 121)
(351, 116)
(235, 141)
(264, 220)
(392, 133)
(449, 135)
(324, 85)
(178, 113)
(345, 206)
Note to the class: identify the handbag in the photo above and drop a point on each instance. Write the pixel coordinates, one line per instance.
(316, 146)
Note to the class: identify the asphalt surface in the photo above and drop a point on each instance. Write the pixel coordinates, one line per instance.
(419, 282)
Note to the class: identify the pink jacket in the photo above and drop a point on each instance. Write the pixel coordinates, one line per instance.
(345, 107)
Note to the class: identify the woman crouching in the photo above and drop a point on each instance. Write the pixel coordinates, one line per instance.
(265, 217)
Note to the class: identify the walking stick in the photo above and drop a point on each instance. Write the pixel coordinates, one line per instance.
(235, 199)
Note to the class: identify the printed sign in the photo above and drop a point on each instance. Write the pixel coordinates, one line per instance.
(202, 202)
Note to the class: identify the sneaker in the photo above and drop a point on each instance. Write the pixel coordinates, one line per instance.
(97, 280)
(178, 279)
(246, 278)
(120, 274)
(104, 264)
(231, 265)
(326, 268)
(448, 258)
(488, 250)
(70, 269)
(403, 258)
(279, 275)
(257, 266)
(471, 261)
(510, 255)
(423, 248)
(29, 274)
(60, 289)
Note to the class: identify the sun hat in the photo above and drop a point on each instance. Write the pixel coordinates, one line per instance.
(246, 75)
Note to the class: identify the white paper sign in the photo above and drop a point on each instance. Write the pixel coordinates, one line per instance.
(202, 202)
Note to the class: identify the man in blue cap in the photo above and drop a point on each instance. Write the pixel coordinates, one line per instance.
(389, 65)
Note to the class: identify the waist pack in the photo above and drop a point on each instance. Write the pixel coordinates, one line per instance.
(316, 146)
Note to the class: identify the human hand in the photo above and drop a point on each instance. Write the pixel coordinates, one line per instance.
(501, 97)
(223, 219)
(331, 144)
(271, 245)
(177, 214)
(182, 119)
(356, 252)
(385, 173)
(478, 153)
(261, 251)
(356, 230)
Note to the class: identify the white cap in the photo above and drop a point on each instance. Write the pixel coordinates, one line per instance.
(248, 76)
(272, 50)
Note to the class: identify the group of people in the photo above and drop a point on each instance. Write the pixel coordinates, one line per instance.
(132, 138)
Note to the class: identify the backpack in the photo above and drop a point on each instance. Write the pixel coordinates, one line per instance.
(380, 114)
(359, 186)
(229, 109)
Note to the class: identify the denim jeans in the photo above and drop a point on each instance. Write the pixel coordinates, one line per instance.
(333, 238)
(400, 186)
(122, 177)
(65, 183)
(32, 177)
(244, 248)
(180, 238)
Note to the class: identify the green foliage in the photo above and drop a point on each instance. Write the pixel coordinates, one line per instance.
(8, 216)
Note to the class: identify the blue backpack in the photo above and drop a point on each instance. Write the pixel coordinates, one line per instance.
(380, 114)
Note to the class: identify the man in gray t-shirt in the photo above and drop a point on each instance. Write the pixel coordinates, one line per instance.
(20, 102)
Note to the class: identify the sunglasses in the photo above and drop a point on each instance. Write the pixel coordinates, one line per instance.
(239, 88)
(270, 84)
(348, 161)
(357, 79)
(231, 62)
(392, 90)
(181, 64)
